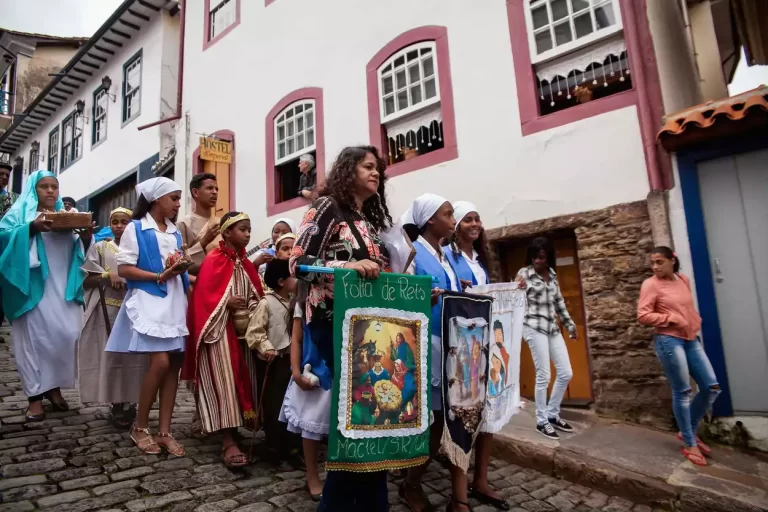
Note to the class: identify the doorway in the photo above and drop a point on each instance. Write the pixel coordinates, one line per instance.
(733, 191)
(222, 172)
(512, 255)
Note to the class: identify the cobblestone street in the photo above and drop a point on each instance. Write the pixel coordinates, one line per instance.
(76, 461)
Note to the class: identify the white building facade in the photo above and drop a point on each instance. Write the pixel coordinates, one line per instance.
(84, 126)
(543, 113)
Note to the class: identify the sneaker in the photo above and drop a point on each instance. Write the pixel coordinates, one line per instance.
(560, 425)
(547, 431)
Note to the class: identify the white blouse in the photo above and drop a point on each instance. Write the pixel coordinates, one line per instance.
(477, 269)
(162, 317)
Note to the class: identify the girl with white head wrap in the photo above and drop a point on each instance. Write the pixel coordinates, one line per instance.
(152, 318)
(267, 250)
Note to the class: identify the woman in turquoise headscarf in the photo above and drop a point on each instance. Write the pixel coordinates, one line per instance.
(42, 292)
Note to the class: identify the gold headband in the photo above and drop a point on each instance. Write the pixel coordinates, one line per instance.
(121, 210)
(234, 219)
(283, 237)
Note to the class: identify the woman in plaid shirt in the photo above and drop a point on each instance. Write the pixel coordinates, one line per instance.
(545, 304)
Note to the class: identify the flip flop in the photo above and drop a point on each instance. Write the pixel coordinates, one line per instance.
(704, 448)
(695, 458)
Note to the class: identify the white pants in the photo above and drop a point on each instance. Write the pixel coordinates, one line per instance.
(543, 349)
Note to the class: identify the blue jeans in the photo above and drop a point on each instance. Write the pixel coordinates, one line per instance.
(682, 360)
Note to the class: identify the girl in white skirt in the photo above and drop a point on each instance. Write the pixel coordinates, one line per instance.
(152, 319)
(306, 407)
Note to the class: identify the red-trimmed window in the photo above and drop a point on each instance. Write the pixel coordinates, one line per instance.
(221, 17)
(410, 101)
(294, 127)
(576, 52)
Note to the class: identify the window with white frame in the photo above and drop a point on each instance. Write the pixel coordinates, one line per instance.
(77, 136)
(132, 88)
(409, 95)
(66, 141)
(222, 15)
(99, 117)
(577, 50)
(53, 150)
(295, 135)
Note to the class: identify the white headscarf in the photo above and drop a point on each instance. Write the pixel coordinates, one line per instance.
(155, 188)
(424, 207)
(286, 220)
(461, 209)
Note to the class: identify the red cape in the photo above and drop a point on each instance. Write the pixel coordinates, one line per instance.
(207, 293)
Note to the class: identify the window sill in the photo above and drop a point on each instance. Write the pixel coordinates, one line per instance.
(94, 145)
(291, 204)
(579, 112)
(70, 164)
(422, 161)
(207, 43)
(130, 119)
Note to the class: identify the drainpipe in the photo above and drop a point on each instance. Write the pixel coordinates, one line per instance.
(647, 123)
(180, 73)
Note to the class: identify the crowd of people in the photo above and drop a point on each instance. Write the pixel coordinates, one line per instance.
(181, 300)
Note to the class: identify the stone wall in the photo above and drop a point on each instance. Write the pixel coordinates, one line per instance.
(613, 248)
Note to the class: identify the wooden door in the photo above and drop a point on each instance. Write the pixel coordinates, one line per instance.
(221, 171)
(513, 257)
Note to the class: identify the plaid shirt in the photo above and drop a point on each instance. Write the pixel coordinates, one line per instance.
(544, 300)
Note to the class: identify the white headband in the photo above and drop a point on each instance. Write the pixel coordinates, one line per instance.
(155, 188)
(425, 206)
(461, 209)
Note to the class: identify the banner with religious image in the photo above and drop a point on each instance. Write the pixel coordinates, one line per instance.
(508, 314)
(381, 407)
(466, 336)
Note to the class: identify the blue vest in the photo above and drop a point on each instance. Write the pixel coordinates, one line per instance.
(151, 261)
(427, 265)
(462, 268)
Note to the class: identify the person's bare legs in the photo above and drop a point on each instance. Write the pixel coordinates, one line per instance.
(230, 451)
(159, 365)
(411, 491)
(35, 408)
(169, 385)
(459, 485)
(483, 447)
(311, 451)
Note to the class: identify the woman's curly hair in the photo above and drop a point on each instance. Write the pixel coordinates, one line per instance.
(340, 185)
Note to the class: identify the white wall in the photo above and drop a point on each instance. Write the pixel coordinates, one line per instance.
(292, 44)
(125, 147)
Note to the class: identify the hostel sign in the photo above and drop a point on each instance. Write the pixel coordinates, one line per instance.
(215, 150)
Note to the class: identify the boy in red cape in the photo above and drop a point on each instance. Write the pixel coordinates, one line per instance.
(220, 364)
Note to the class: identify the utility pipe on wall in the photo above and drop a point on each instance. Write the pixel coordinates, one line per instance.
(180, 73)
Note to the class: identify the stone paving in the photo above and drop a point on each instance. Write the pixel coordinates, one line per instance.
(77, 461)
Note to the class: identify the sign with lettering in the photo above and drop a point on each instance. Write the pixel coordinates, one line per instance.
(215, 150)
(381, 400)
(507, 316)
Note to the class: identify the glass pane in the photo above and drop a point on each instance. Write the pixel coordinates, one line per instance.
(299, 124)
(280, 119)
(310, 138)
(281, 132)
(412, 55)
(289, 114)
(429, 66)
(425, 51)
(299, 143)
(413, 73)
(399, 61)
(559, 9)
(310, 119)
(290, 128)
(402, 100)
(605, 16)
(281, 150)
(540, 17)
(543, 41)
(583, 25)
(415, 94)
(386, 84)
(299, 108)
(400, 79)
(563, 33)
(387, 68)
(290, 146)
(389, 105)
(430, 91)
(577, 5)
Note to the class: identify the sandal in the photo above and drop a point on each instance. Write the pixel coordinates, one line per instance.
(233, 461)
(146, 445)
(34, 418)
(315, 497)
(704, 448)
(449, 506)
(402, 493)
(695, 458)
(499, 503)
(174, 447)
